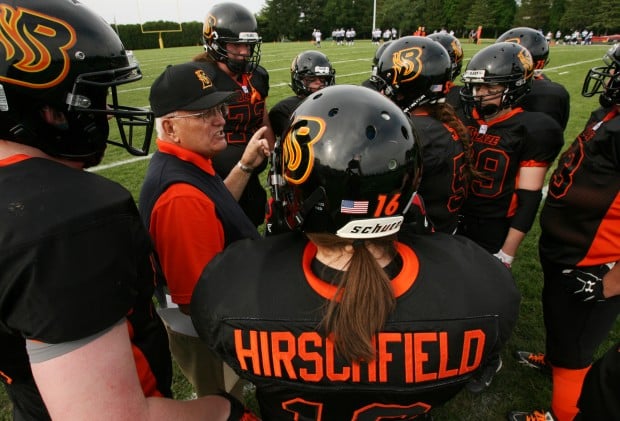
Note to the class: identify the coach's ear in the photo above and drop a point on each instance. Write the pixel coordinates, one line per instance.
(169, 130)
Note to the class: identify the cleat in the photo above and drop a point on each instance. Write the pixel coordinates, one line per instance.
(483, 378)
(531, 416)
(533, 360)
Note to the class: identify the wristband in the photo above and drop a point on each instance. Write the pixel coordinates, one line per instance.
(246, 169)
(504, 258)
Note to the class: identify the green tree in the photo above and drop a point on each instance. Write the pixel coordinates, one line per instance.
(578, 14)
(607, 18)
(558, 7)
(534, 13)
(481, 14)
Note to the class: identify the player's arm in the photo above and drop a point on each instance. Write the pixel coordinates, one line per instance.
(611, 282)
(528, 191)
(98, 381)
(269, 133)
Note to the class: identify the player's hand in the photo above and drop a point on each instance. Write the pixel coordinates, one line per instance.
(586, 284)
(506, 259)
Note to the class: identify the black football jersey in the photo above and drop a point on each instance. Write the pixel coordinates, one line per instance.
(75, 260)
(580, 218)
(501, 146)
(443, 186)
(550, 98)
(260, 306)
(245, 113)
(245, 117)
(280, 113)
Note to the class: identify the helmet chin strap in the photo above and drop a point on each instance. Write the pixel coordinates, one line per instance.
(317, 196)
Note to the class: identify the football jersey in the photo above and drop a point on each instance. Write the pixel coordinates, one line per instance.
(456, 304)
(548, 97)
(501, 147)
(245, 117)
(280, 113)
(75, 260)
(444, 185)
(580, 218)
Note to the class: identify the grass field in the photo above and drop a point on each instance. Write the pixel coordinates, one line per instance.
(515, 387)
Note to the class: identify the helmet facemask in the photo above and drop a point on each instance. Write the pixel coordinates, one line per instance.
(217, 49)
(604, 80)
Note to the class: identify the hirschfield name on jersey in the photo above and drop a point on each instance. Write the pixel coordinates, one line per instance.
(401, 357)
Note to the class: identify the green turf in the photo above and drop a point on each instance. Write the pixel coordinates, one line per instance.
(515, 387)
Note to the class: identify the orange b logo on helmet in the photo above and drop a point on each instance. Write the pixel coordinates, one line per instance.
(407, 64)
(526, 60)
(31, 43)
(298, 148)
(210, 22)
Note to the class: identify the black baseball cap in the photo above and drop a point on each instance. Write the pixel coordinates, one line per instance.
(186, 87)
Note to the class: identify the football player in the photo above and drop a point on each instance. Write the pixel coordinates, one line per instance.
(233, 48)
(76, 285)
(546, 95)
(351, 322)
(446, 148)
(455, 50)
(310, 72)
(580, 247)
(513, 149)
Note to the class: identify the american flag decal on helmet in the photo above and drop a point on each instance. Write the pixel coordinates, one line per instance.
(354, 206)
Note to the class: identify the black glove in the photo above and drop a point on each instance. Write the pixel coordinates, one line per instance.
(586, 284)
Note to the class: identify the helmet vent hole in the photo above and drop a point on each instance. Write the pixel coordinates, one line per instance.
(333, 112)
(371, 132)
(385, 115)
(404, 132)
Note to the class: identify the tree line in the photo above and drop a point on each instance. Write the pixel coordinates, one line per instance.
(294, 20)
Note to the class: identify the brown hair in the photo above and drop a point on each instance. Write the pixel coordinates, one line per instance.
(204, 57)
(365, 296)
(445, 113)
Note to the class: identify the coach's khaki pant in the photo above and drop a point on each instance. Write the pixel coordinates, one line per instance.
(202, 368)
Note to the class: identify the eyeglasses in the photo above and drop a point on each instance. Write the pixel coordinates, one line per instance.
(221, 109)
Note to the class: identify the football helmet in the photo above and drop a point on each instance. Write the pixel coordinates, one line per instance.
(506, 64)
(351, 163)
(310, 63)
(454, 49)
(231, 23)
(62, 60)
(413, 71)
(605, 80)
(533, 40)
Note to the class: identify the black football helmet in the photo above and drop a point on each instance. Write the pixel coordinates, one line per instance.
(310, 63)
(413, 71)
(605, 80)
(454, 49)
(351, 163)
(533, 40)
(506, 64)
(231, 23)
(62, 59)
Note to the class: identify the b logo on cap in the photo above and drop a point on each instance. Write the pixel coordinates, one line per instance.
(204, 79)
